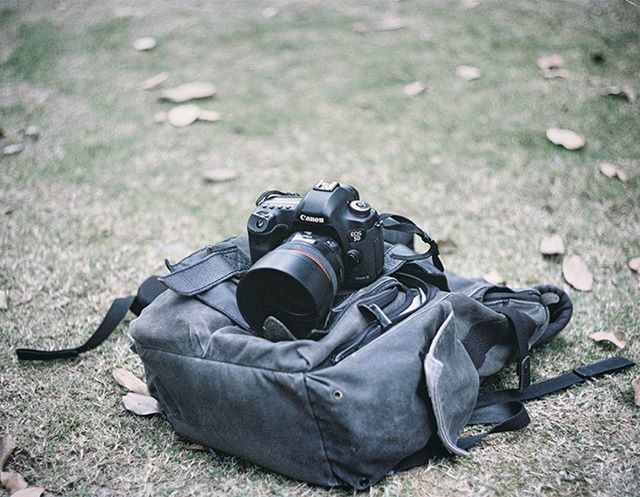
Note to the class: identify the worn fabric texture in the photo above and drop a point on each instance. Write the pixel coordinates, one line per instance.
(332, 409)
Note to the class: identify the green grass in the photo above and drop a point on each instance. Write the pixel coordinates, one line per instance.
(104, 195)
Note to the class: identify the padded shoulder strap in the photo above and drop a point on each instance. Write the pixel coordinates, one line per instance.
(147, 292)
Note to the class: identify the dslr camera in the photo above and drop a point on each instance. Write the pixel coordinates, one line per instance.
(303, 250)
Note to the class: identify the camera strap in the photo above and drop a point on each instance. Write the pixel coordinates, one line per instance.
(395, 222)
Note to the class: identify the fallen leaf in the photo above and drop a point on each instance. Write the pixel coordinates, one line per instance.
(155, 81)
(552, 245)
(634, 264)
(414, 89)
(142, 405)
(577, 274)
(208, 115)
(189, 91)
(32, 132)
(12, 481)
(29, 492)
(468, 73)
(7, 446)
(613, 171)
(144, 43)
(183, 115)
(270, 12)
(447, 246)
(129, 381)
(636, 389)
(12, 149)
(390, 23)
(555, 73)
(616, 337)
(553, 61)
(494, 277)
(220, 175)
(626, 92)
(160, 117)
(197, 447)
(565, 138)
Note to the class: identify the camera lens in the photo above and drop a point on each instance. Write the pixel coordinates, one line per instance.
(295, 283)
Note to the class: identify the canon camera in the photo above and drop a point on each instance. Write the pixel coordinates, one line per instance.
(303, 250)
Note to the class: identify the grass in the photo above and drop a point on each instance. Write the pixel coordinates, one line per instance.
(104, 195)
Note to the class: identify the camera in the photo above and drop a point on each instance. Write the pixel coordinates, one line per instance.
(305, 249)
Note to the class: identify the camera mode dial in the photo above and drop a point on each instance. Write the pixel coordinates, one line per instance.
(360, 208)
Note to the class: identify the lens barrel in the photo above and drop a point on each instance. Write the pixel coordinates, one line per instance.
(295, 283)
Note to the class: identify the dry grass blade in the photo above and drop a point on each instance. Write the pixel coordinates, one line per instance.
(616, 337)
(210, 116)
(555, 74)
(552, 245)
(565, 138)
(468, 73)
(155, 81)
(577, 274)
(183, 115)
(142, 405)
(4, 304)
(189, 91)
(634, 264)
(12, 149)
(129, 381)
(7, 446)
(196, 447)
(612, 171)
(414, 89)
(13, 482)
(636, 390)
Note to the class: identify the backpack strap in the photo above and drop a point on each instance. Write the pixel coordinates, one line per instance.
(505, 408)
(148, 291)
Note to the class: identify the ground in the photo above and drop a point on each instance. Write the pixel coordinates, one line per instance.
(94, 205)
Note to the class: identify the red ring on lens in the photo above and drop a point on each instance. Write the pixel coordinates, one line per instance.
(326, 273)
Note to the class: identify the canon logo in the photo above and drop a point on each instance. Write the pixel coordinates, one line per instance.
(311, 219)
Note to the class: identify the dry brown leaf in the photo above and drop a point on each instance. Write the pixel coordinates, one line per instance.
(12, 149)
(634, 264)
(208, 115)
(626, 92)
(189, 91)
(576, 273)
(494, 277)
(414, 89)
(142, 405)
(553, 61)
(160, 117)
(270, 12)
(613, 171)
(7, 446)
(616, 337)
(555, 73)
(447, 246)
(565, 138)
(220, 175)
(636, 390)
(183, 115)
(552, 245)
(155, 81)
(129, 381)
(144, 43)
(12, 481)
(29, 492)
(3, 305)
(468, 73)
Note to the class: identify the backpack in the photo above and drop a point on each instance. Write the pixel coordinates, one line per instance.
(391, 381)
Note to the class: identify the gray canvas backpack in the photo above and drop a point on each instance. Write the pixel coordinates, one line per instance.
(390, 381)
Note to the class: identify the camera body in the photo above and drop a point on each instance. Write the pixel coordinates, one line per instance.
(330, 217)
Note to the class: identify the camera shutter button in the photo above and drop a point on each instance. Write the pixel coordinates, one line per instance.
(360, 208)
